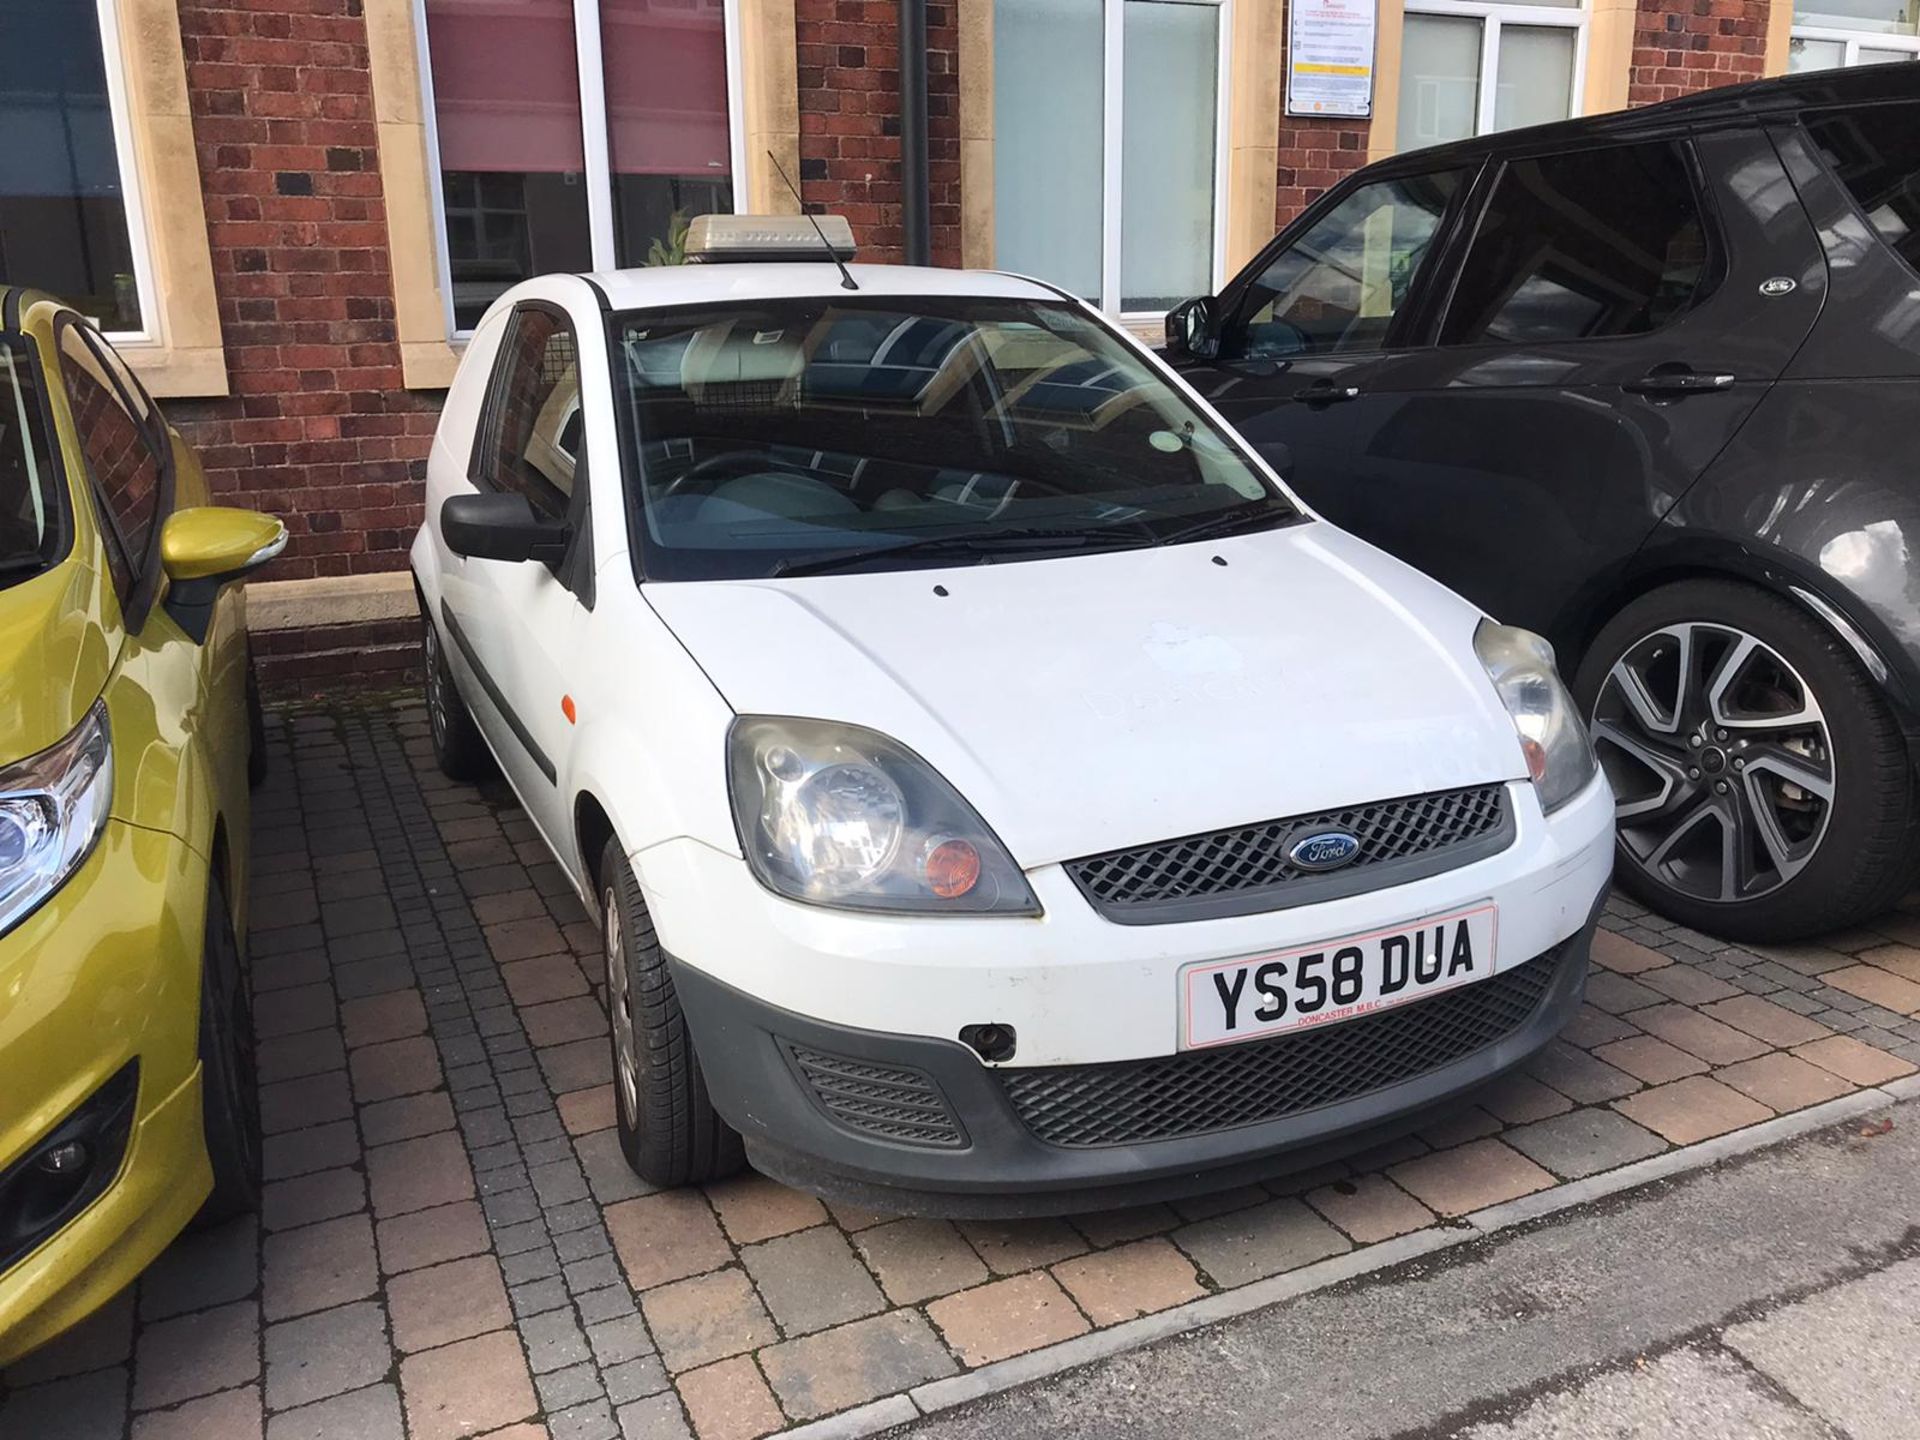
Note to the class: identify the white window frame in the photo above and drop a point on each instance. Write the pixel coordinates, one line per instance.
(1855, 41)
(1493, 18)
(114, 62)
(590, 72)
(1113, 132)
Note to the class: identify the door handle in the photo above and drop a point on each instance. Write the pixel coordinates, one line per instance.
(1324, 392)
(1672, 384)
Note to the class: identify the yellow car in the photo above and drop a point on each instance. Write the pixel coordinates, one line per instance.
(128, 727)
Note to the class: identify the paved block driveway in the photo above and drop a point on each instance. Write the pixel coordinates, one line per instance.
(452, 1245)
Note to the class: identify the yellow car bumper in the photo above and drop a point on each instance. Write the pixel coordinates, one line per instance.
(105, 973)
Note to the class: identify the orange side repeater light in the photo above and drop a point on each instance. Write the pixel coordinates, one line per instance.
(566, 709)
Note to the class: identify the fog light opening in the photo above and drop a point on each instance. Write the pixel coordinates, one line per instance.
(992, 1042)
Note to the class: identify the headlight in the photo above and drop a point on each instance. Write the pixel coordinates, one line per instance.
(52, 808)
(1559, 754)
(836, 815)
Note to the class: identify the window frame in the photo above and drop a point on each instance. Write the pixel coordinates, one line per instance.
(1807, 119)
(597, 160)
(1493, 17)
(1852, 41)
(26, 355)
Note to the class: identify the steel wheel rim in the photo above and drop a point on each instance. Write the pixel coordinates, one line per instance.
(620, 1010)
(1720, 759)
(436, 686)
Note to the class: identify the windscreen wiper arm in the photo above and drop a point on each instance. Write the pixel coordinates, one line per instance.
(1226, 522)
(960, 542)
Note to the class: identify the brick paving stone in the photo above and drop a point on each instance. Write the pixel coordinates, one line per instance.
(631, 1379)
(1623, 956)
(394, 1016)
(289, 1011)
(852, 1218)
(1470, 1177)
(553, 1341)
(312, 1100)
(1850, 1060)
(811, 1279)
(578, 1065)
(1696, 1108)
(325, 1354)
(1120, 1283)
(917, 1260)
(752, 1208)
(1877, 987)
(369, 1414)
(575, 1385)
(1010, 1246)
(201, 1268)
(1520, 1099)
(658, 1417)
(623, 1337)
(1783, 1082)
(1689, 985)
(548, 978)
(1210, 1203)
(427, 1237)
(230, 1415)
(406, 1117)
(395, 1067)
(1370, 1208)
(1584, 1142)
(707, 1318)
(1006, 1317)
(289, 1057)
(559, 1021)
(1590, 1027)
(729, 1401)
(196, 1354)
(467, 1387)
(522, 939)
(666, 1237)
(84, 1407)
(1617, 995)
(1578, 1076)
(1649, 1058)
(1116, 1227)
(307, 1198)
(1803, 959)
(1459, 1125)
(585, 1111)
(497, 909)
(1699, 1034)
(1265, 1240)
(1902, 960)
(103, 1339)
(1765, 1020)
(318, 1266)
(449, 1302)
(418, 1174)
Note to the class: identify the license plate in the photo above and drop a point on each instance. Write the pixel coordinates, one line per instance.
(1226, 1001)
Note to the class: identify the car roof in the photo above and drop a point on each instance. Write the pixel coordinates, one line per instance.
(1754, 102)
(674, 285)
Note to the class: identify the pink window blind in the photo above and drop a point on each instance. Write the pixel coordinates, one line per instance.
(666, 71)
(506, 90)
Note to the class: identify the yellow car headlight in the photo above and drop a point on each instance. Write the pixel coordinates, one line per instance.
(53, 807)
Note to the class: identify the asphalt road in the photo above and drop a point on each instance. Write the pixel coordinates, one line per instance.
(1776, 1296)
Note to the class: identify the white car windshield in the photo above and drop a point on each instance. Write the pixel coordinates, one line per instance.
(795, 435)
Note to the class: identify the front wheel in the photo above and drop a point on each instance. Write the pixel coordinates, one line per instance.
(457, 744)
(229, 1074)
(669, 1130)
(1764, 790)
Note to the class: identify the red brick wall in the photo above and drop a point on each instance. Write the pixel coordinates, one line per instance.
(319, 428)
(849, 71)
(1680, 46)
(1315, 155)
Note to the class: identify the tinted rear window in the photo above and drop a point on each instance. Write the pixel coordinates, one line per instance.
(1876, 153)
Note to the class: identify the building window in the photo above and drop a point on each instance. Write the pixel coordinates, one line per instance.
(575, 134)
(1828, 34)
(1107, 126)
(1448, 49)
(69, 203)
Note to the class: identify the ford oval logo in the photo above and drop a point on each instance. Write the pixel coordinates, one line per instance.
(1325, 850)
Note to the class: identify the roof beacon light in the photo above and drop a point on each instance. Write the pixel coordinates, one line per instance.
(724, 239)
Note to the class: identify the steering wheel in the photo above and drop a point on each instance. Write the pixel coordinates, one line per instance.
(727, 465)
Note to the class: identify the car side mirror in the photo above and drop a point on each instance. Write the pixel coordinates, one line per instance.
(205, 548)
(1191, 329)
(502, 526)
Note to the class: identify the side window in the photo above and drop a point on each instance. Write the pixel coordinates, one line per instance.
(1876, 153)
(123, 450)
(530, 437)
(1580, 246)
(1339, 286)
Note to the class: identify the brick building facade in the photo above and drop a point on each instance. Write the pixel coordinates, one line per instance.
(301, 323)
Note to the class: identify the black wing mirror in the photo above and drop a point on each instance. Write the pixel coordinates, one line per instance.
(502, 526)
(1191, 329)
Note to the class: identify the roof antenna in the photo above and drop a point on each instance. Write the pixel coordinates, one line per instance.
(846, 275)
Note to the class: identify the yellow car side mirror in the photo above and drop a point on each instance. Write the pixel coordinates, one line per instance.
(206, 547)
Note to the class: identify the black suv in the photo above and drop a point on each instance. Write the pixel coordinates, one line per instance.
(1643, 383)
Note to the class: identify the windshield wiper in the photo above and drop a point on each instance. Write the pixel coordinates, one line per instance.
(962, 542)
(1228, 522)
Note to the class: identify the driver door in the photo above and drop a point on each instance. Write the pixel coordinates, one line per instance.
(1304, 325)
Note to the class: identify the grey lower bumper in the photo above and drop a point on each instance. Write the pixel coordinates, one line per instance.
(977, 1157)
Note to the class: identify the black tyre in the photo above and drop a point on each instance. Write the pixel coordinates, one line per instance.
(1764, 789)
(457, 745)
(229, 1074)
(669, 1130)
(256, 731)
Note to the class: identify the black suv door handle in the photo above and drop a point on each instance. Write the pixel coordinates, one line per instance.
(1325, 392)
(1671, 384)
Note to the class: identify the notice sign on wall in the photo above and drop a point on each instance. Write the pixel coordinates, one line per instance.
(1330, 57)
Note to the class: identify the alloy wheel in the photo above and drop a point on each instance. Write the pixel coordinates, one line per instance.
(620, 1011)
(436, 685)
(1720, 759)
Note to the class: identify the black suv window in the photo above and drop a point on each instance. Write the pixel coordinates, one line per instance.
(1581, 245)
(1876, 153)
(532, 435)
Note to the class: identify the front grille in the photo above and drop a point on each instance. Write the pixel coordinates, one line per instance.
(892, 1102)
(1200, 1090)
(1239, 871)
